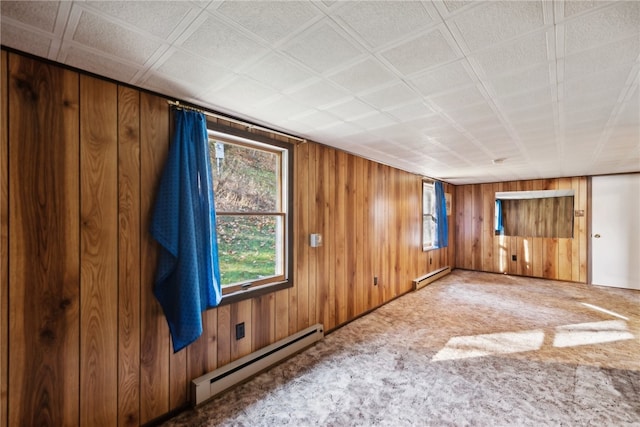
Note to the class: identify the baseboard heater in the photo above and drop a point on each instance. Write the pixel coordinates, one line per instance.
(209, 385)
(423, 281)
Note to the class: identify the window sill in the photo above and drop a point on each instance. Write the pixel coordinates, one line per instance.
(255, 291)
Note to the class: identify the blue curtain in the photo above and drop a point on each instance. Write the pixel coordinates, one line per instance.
(499, 220)
(442, 225)
(188, 274)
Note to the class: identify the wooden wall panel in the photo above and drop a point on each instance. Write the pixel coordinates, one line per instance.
(44, 264)
(81, 206)
(553, 258)
(155, 341)
(4, 241)
(340, 236)
(98, 252)
(128, 257)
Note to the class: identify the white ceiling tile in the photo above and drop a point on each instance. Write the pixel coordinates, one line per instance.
(222, 44)
(270, 20)
(281, 108)
(603, 26)
(453, 5)
(319, 94)
(243, 91)
(96, 32)
(574, 7)
(459, 98)
(494, 22)
(350, 109)
(37, 14)
(527, 99)
(374, 121)
(382, 22)
(594, 60)
(25, 40)
(322, 48)
(411, 111)
(364, 75)
(524, 52)
(278, 71)
(453, 75)
(98, 64)
(522, 81)
(316, 119)
(200, 73)
(160, 20)
(420, 53)
(391, 96)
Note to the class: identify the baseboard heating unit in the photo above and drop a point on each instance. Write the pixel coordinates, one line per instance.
(423, 281)
(209, 385)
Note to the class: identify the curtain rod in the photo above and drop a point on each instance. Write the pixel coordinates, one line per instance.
(249, 126)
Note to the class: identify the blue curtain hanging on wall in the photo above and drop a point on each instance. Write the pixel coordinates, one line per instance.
(499, 220)
(442, 235)
(188, 274)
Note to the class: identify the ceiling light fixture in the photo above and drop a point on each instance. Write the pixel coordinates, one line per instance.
(499, 161)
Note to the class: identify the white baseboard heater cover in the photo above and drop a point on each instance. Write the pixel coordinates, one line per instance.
(423, 281)
(209, 385)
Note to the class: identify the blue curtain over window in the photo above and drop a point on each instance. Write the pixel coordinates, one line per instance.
(188, 274)
(442, 225)
(499, 220)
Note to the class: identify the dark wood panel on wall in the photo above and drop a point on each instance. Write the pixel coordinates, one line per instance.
(561, 258)
(4, 242)
(44, 262)
(84, 336)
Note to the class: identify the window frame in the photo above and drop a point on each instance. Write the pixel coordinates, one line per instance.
(431, 245)
(232, 135)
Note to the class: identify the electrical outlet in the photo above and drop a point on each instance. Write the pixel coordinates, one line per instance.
(375, 280)
(514, 257)
(240, 331)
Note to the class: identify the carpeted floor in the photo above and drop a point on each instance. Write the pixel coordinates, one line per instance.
(472, 349)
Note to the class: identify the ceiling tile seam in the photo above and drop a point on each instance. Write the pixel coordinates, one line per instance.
(477, 75)
(555, 44)
(626, 93)
(87, 7)
(213, 12)
(69, 31)
(62, 20)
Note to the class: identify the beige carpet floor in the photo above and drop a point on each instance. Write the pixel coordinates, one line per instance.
(472, 349)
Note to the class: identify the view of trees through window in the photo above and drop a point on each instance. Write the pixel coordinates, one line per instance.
(247, 187)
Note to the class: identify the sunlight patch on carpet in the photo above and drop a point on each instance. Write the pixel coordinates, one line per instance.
(490, 344)
(592, 333)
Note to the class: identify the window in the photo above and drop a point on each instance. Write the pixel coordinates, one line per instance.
(252, 187)
(428, 215)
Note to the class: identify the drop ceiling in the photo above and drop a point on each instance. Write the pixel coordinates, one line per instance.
(462, 91)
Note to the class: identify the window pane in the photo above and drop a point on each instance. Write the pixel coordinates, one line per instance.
(244, 179)
(248, 247)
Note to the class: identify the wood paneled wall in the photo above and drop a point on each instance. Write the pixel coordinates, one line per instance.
(85, 340)
(478, 248)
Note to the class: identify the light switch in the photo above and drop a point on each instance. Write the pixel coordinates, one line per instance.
(316, 240)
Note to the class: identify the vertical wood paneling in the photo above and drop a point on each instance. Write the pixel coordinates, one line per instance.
(128, 257)
(224, 335)
(4, 242)
(263, 321)
(281, 314)
(241, 313)
(91, 195)
(155, 341)
(303, 230)
(44, 242)
(581, 190)
(99, 252)
(340, 215)
(555, 258)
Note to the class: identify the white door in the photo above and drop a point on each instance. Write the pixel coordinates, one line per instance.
(615, 231)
